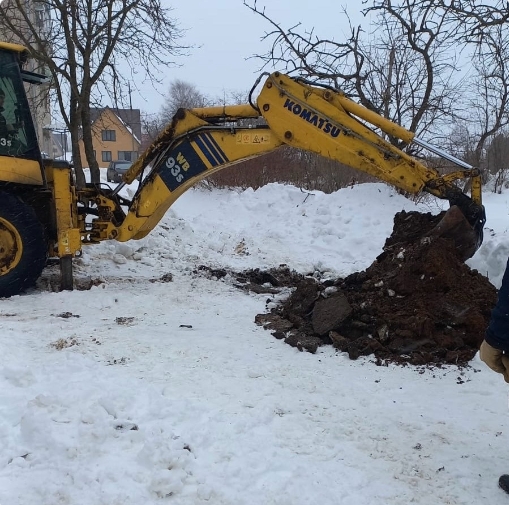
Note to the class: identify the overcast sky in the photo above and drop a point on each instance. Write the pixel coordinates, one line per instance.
(226, 33)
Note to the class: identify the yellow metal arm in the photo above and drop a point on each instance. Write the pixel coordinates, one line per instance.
(197, 153)
(202, 141)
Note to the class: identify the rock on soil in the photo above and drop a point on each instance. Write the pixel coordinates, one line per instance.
(418, 303)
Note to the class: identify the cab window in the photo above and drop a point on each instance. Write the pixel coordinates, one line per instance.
(17, 133)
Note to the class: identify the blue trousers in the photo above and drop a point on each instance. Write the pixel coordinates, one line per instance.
(497, 334)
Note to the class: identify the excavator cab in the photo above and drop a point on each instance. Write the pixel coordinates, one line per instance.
(20, 156)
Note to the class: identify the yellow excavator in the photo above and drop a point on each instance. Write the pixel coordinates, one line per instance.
(44, 215)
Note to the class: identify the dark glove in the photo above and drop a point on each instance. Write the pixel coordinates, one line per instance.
(495, 359)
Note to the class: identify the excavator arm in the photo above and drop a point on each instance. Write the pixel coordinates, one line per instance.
(288, 111)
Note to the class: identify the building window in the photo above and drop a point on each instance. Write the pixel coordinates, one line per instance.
(127, 155)
(109, 135)
(106, 155)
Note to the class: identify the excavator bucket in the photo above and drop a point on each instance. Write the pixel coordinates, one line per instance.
(454, 225)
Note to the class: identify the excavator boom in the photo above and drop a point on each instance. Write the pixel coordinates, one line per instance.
(292, 112)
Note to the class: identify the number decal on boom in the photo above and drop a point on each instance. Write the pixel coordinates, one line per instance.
(181, 165)
(174, 169)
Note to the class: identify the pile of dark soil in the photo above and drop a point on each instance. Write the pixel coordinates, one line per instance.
(418, 303)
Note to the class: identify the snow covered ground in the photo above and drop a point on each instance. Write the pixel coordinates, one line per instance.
(146, 392)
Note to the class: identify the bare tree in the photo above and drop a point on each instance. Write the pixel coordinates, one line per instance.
(489, 104)
(236, 97)
(480, 30)
(92, 49)
(470, 18)
(151, 125)
(402, 69)
(406, 67)
(461, 141)
(298, 51)
(417, 89)
(497, 160)
(184, 95)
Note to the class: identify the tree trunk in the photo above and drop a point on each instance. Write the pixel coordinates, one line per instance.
(74, 129)
(86, 124)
